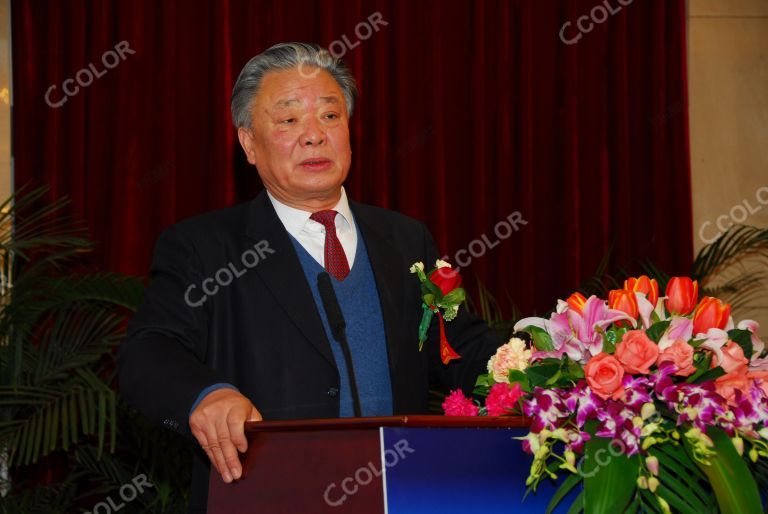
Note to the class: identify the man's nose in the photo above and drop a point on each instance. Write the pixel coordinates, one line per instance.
(313, 134)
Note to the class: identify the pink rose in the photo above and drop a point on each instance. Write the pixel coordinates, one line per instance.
(727, 385)
(680, 354)
(502, 398)
(604, 374)
(636, 352)
(733, 359)
(456, 404)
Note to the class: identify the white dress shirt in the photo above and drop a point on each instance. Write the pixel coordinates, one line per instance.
(311, 235)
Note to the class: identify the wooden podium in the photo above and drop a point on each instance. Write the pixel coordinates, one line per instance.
(395, 465)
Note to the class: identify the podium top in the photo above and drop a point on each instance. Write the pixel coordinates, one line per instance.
(416, 421)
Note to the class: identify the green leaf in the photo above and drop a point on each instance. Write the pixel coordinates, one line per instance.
(744, 339)
(485, 380)
(650, 502)
(657, 330)
(712, 374)
(569, 483)
(483, 384)
(610, 480)
(519, 377)
(678, 496)
(702, 364)
(455, 297)
(554, 378)
(429, 287)
(676, 464)
(730, 477)
(541, 339)
(573, 370)
(539, 374)
(578, 504)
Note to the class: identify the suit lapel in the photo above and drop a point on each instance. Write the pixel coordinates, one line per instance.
(387, 263)
(282, 274)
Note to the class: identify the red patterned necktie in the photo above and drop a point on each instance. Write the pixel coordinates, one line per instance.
(335, 259)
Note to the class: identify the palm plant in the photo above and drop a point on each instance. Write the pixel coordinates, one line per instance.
(66, 440)
(730, 268)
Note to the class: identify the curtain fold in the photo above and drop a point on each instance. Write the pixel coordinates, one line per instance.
(469, 113)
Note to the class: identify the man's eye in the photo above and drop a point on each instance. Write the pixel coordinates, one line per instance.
(332, 116)
(288, 121)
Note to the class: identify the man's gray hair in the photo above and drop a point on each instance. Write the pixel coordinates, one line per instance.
(306, 57)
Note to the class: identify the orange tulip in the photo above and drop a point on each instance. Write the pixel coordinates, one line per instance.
(623, 300)
(710, 313)
(682, 295)
(576, 302)
(648, 286)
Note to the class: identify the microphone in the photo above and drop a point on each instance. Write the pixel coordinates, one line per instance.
(338, 329)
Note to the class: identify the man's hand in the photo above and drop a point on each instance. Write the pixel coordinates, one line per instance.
(218, 424)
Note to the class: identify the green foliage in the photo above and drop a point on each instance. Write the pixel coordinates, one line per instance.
(730, 477)
(59, 413)
(718, 266)
(682, 485)
(743, 338)
(609, 484)
(554, 373)
(562, 491)
(703, 364)
(541, 339)
(657, 330)
(612, 337)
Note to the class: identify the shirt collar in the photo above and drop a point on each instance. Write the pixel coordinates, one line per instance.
(297, 220)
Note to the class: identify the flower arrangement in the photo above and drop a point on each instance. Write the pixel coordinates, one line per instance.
(652, 403)
(441, 295)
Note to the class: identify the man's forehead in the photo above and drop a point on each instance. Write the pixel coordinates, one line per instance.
(289, 88)
(295, 101)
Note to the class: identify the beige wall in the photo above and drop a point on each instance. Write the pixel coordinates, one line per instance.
(728, 87)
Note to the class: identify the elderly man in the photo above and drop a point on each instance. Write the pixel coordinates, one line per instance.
(233, 328)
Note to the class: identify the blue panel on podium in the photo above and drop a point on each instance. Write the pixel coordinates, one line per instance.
(460, 470)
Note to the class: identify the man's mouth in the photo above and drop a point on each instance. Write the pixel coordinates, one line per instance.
(316, 163)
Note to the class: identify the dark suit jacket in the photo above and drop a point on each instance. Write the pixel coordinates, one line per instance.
(262, 330)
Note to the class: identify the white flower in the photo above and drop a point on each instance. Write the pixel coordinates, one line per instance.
(451, 313)
(715, 340)
(417, 266)
(513, 355)
(442, 264)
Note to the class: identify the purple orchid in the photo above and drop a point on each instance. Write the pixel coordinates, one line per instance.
(546, 409)
(636, 391)
(577, 439)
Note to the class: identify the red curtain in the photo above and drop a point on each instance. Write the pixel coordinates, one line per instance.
(470, 112)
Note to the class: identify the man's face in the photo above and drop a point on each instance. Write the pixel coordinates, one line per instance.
(299, 140)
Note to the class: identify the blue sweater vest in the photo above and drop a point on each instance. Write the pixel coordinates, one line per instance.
(359, 300)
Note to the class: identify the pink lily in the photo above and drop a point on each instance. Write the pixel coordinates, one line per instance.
(645, 308)
(579, 335)
(715, 339)
(679, 328)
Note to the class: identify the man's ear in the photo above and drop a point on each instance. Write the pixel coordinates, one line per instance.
(246, 141)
